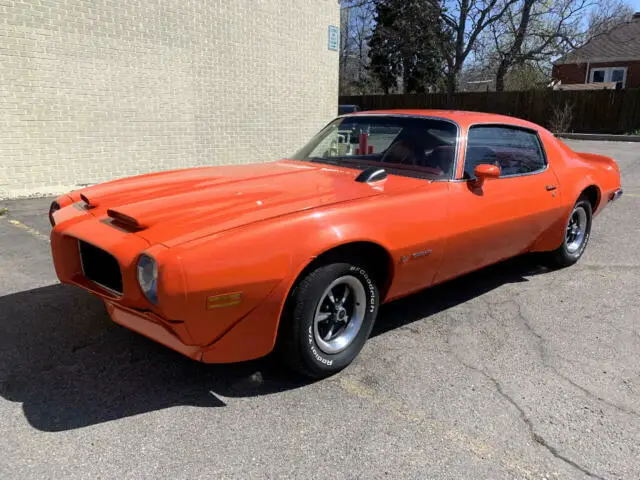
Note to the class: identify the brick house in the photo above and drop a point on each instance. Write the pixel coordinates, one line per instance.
(613, 56)
(91, 91)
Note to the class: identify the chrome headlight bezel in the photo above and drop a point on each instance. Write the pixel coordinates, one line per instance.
(147, 274)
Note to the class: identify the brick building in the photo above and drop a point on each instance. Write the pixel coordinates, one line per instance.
(612, 57)
(91, 91)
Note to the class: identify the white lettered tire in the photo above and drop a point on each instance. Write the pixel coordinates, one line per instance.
(329, 317)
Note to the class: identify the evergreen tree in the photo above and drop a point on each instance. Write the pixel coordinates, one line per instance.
(406, 45)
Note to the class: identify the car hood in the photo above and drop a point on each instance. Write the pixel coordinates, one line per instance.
(177, 206)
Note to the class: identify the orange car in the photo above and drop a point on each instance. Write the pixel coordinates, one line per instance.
(226, 263)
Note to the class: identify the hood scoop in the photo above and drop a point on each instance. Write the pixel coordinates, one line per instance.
(371, 174)
(125, 220)
(87, 201)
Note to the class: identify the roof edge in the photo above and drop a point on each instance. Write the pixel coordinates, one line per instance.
(597, 60)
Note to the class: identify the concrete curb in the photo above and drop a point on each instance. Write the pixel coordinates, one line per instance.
(600, 137)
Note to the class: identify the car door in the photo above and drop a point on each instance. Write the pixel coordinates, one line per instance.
(503, 217)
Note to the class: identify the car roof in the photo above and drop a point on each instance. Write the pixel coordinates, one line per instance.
(461, 117)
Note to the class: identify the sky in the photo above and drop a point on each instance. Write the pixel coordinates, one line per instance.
(635, 4)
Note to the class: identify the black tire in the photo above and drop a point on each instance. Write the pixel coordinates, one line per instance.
(297, 344)
(564, 256)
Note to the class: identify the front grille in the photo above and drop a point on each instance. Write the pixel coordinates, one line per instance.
(100, 267)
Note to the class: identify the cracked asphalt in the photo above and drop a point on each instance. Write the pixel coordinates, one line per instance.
(511, 372)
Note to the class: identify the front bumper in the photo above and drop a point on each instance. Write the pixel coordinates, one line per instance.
(181, 320)
(173, 335)
(251, 337)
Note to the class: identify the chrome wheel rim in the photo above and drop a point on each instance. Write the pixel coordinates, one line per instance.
(576, 230)
(339, 314)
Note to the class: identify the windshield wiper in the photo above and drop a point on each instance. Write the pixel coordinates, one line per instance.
(340, 162)
(323, 160)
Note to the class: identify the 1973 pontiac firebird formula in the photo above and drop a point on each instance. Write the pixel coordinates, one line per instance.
(226, 263)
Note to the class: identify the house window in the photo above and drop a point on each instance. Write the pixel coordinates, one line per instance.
(617, 75)
(609, 74)
(597, 76)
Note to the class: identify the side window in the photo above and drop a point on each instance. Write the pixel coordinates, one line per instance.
(514, 150)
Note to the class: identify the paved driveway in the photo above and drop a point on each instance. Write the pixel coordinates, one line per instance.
(512, 372)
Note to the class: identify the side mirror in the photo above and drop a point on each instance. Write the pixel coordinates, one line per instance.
(483, 172)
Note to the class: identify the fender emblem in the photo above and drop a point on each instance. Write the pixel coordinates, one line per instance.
(423, 253)
(224, 300)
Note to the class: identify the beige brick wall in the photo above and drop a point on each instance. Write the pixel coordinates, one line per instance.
(92, 90)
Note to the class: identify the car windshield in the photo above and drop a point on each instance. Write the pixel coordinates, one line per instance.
(410, 146)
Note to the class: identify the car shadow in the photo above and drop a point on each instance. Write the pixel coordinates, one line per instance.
(431, 301)
(71, 367)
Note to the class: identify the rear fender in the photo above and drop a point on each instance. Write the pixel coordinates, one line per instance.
(592, 170)
(604, 174)
(607, 163)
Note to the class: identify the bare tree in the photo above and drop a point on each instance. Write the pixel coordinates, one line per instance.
(467, 19)
(464, 21)
(536, 31)
(356, 23)
(561, 118)
(345, 49)
(606, 15)
(501, 35)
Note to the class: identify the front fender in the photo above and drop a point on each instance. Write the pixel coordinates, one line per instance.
(226, 278)
(260, 262)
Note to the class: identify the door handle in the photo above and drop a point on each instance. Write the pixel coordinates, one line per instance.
(551, 187)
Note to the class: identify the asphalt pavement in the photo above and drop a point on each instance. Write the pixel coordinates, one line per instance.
(511, 372)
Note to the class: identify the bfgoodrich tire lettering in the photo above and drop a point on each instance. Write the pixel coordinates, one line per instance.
(329, 316)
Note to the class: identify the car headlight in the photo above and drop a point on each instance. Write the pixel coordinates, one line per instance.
(148, 277)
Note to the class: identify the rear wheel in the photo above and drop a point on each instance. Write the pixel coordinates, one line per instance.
(576, 235)
(329, 316)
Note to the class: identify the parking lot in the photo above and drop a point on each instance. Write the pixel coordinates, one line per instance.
(511, 372)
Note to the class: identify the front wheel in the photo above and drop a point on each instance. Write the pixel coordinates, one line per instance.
(576, 235)
(330, 314)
